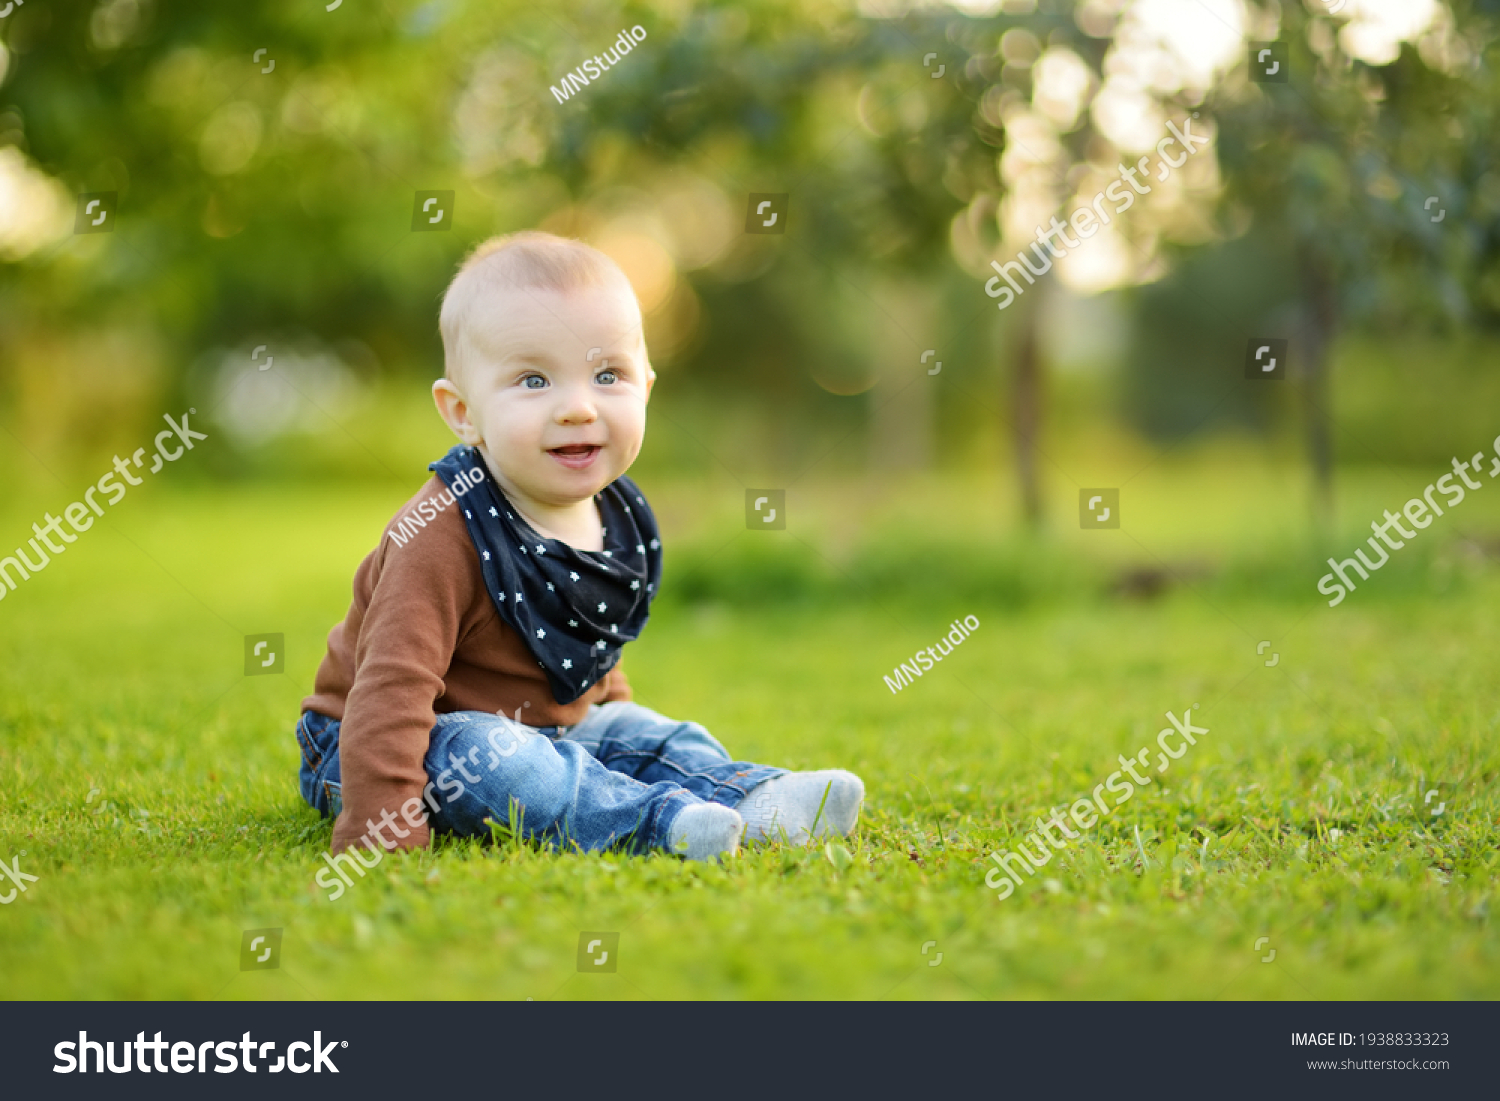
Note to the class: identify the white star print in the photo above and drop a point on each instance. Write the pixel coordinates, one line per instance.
(567, 663)
(615, 627)
(518, 598)
(635, 584)
(523, 550)
(550, 589)
(486, 556)
(574, 576)
(609, 554)
(540, 633)
(640, 549)
(541, 549)
(600, 644)
(469, 514)
(602, 605)
(494, 513)
(572, 623)
(655, 543)
(627, 508)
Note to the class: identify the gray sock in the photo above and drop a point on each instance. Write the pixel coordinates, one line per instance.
(790, 802)
(704, 831)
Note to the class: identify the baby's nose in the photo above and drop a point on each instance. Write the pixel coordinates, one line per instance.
(577, 410)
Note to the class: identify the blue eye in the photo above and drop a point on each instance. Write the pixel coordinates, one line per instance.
(527, 381)
(609, 378)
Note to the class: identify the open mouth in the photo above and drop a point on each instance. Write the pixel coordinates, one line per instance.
(575, 456)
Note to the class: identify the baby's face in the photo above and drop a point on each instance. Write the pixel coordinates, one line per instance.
(555, 423)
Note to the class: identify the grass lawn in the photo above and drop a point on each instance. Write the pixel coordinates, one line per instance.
(152, 786)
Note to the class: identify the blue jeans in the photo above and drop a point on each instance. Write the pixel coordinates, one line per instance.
(618, 778)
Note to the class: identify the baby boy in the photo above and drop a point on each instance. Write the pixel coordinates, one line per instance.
(477, 674)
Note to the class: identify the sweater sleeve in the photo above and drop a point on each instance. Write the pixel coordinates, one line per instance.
(410, 631)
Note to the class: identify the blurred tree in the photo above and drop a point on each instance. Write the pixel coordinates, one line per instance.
(1375, 164)
(267, 160)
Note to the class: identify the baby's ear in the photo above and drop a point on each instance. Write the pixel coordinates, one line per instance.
(454, 410)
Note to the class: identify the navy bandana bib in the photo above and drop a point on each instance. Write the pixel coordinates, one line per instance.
(574, 608)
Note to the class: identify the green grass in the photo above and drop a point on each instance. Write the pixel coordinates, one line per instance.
(153, 786)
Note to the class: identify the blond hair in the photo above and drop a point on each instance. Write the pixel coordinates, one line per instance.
(530, 259)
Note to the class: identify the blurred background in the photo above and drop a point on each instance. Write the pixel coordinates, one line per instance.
(259, 253)
(264, 162)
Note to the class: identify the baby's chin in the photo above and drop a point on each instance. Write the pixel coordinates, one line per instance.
(561, 483)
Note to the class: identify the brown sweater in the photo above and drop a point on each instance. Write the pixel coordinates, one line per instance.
(423, 638)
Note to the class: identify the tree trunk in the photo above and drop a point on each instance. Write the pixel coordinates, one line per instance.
(1322, 320)
(901, 437)
(1026, 405)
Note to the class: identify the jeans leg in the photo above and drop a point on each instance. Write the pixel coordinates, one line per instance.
(636, 741)
(319, 775)
(479, 762)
